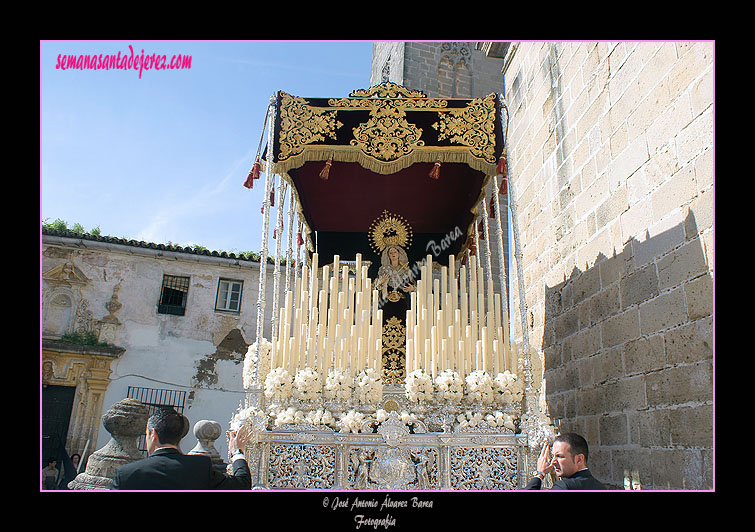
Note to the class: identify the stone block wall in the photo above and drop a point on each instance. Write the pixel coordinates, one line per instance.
(611, 154)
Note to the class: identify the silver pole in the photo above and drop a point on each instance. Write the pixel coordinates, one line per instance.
(278, 238)
(502, 257)
(269, 171)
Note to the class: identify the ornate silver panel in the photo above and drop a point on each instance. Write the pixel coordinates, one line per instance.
(433, 450)
(301, 466)
(484, 468)
(392, 468)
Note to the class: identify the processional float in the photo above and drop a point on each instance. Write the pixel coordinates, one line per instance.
(389, 364)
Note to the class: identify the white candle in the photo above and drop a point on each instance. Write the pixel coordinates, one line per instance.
(451, 355)
(444, 354)
(472, 285)
(434, 350)
(461, 358)
(417, 342)
(360, 350)
(409, 355)
(483, 348)
(358, 267)
(427, 355)
(468, 347)
(314, 283)
(322, 307)
(443, 280)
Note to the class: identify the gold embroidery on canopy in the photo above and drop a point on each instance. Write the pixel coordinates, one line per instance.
(472, 126)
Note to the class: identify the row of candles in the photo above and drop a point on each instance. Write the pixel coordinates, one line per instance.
(454, 322)
(334, 321)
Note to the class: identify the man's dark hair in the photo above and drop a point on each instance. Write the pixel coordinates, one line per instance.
(168, 424)
(577, 444)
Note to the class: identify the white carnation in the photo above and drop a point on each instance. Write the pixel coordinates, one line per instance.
(509, 386)
(351, 421)
(278, 384)
(449, 386)
(320, 417)
(369, 386)
(307, 384)
(480, 387)
(257, 357)
(419, 386)
(338, 385)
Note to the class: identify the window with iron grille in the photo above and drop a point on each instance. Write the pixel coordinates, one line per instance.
(229, 295)
(173, 295)
(154, 399)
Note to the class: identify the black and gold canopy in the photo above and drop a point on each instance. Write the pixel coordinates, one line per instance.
(386, 149)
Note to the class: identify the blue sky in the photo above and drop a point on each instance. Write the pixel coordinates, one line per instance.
(163, 157)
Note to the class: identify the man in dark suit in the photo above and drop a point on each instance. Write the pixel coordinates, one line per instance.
(569, 462)
(167, 468)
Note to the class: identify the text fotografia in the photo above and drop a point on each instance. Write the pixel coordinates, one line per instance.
(125, 61)
(357, 505)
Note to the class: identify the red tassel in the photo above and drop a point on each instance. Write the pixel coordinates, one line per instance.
(262, 209)
(491, 208)
(435, 172)
(254, 173)
(480, 232)
(504, 188)
(274, 233)
(299, 239)
(325, 172)
(272, 196)
(502, 167)
(249, 183)
(256, 169)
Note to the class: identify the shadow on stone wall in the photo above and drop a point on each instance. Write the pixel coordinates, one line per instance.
(628, 361)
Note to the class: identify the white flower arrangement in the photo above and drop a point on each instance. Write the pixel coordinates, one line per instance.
(449, 386)
(469, 419)
(499, 419)
(257, 356)
(241, 415)
(320, 417)
(480, 387)
(369, 386)
(289, 416)
(351, 421)
(278, 384)
(419, 386)
(338, 385)
(307, 385)
(406, 418)
(510, 387)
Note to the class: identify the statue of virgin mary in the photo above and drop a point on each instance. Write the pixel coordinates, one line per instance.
(394, 283)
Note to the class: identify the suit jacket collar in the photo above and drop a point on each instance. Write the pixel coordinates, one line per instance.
(162, 451)
(584, 473)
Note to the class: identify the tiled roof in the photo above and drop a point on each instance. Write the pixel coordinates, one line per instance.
(147, 245)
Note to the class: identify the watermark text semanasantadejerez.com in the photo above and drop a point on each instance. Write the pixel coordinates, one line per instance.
(123, 61)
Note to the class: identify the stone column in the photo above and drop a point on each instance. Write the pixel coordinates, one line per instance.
(125, 421)
(206, 433)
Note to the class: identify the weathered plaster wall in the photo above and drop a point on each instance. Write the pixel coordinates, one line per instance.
(201, 352)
